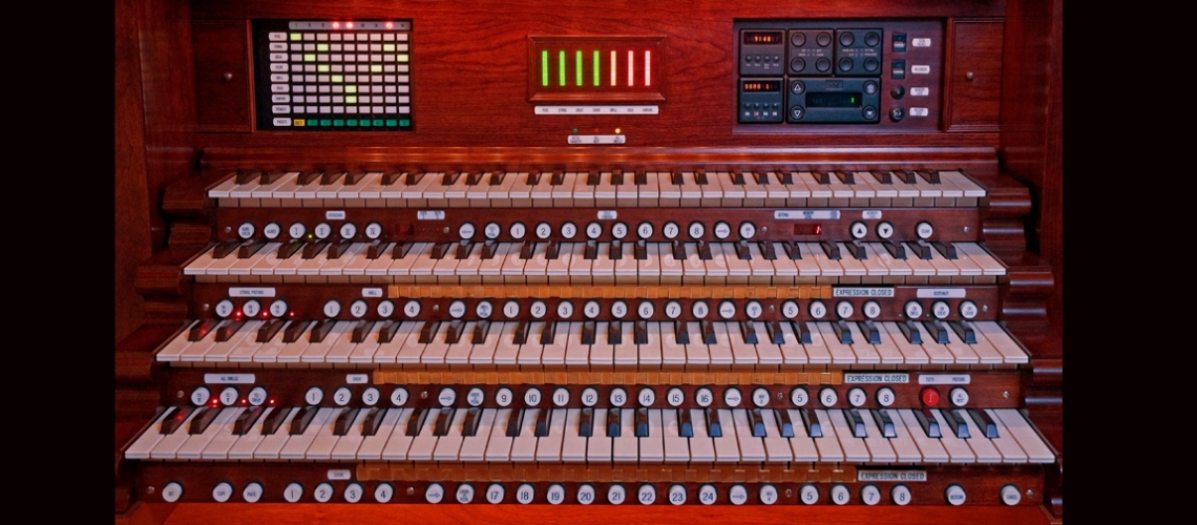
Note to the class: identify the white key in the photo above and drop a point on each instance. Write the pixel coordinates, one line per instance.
(473, 448)
(573, 445)
(196, 350)
(792, 353)
(175, 345)
(1006, 444)
(1011, 352)
(316, 352)
(389, 352)
(911, 354)
(932, 449)
(698, 354)
(802, 444)
(412, 348)
(271, 446)
(141, 447)
(963, 352)
(424, 443)
(879, 445)
(548, 448)
(828, 445)
(297, 446)
(938, 353)
(194, 447)
(743, 354)
(576, 353)
(448, 447)
(168, 446)
(583, 193)
(523, 447)
(322, 447)
(751, 448)
(677, 448)
(866, 353)
(1018, 427)
(506, 350)
(854, 447)
(970, 188)
(957, 448)
(893, 267)
(652, 447)
(434, 352)
(702, 446)
(625, 353)
(841, 354)
(903, 443)
(348, 445)
(777, 447)
(727, 449)
(988, 264)
(530, 351)
(220, 350)
(399, 443)
(817, 350)
(625, 448)
(852, 267)
(371, 447)
(245, 445)
(815, 253)
(498, 447)
(224, 440)
(672, 353)
(651, 352)
(982, 446)
(223, 189)
(598, 447)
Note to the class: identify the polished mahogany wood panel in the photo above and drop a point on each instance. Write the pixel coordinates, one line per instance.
(132, 198)
(470, 73)
(974, 76)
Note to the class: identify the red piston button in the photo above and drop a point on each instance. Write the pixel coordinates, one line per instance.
(930, 397)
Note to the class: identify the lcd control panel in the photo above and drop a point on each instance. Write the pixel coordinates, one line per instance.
(333, 75)
(839, 74)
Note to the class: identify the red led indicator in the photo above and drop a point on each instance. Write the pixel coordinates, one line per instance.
(271, 402)
(336, 25)
(349, 25)
(390, 25)
(244, 401)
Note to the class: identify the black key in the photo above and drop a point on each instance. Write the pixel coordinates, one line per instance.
(616, 252)
(947, 250)
(321, 330)
(275, 420)
(614, 333)
(856, 423)
(331, 177)
(496, 178)
(361, 331)
(428, 332)
(521, 333)
(938, 331)
(463, 250)
(757, 422)
(786, 177)
(956, 422)
(249, 248)
(641, 422)
(613, 422)
(228, 330)
(387, 331)
(287, 249)
(883, 177)
(527, 250)
(842, 332)
(964, 330)
(677, 178)
(761, 177)
(792, 250)
(338, 248)
(223, 249)
(921, 249)
(685, 427)
(303, 418)
(641, 178)
(857, 249)
(481, 329)
(313, 248)
(700, 177)
(591, 251)
(748, 332)
(932, 177)
(469, 424)
(640, 250)
(907, 177)
(742, 250)
(714, 426)
(708, 332)
(246, 420)
(474, 179)
(402, 249)
(450, 178)
(831, 249)
(767, 251)
(489, 248)
(704, 251)
(295, 330)
(801, 331)
(895, 249)
(640, 332)
(588, 329)
(885, 423)
(454, 332)
(373, 421)
(377, 249)
(813, 427)
(549, 333)
(416, 422)
(911, 331)
(307, 177)
(557, 179)
(821, 178)
(514, 423)
(552, 251)
(616, 177)
(776, 336)
(174, 419)
(248, 176)
(784, 424)
(345, 421)
(681, 332)
(988, 426)
(413, 178)
(928, 423)
(593, 179)
(439, 250)
(679, 250)
(871, 332)
(443, 420)
(586, 422)
(534, 178)
(846, 177)
(738, 179)
(391, 178)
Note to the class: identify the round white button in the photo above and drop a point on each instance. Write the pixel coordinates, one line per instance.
(465, 493)
(586, 494)
(696, 230)
(565, 310)
(222, 492)
(768, 494)
(809, 494)
(924, 230)
(511, 309)
(727, 309)
(252, 492)
(465, 231)
(839, 494)
(844, 309)
(940, 310)
(885, 230)
(646, 397)
(859, 230)
(475, 397)
(618, 397)
(589, 396)
(799, 397)
(555, 494)
(171, 492)
(200, 396)
(594, 230)
(411, 308)
(323, 230)
(224, 308)
(900, 495)
(370, 396)
(645, 309)
(353, 492)
(293, 492)
(538, 309)
(591, 309)
(753, 309)
(373, 231)
(342, 396)
(483, 309)
(704, 397)
(495, 493)
(332, 309)
(257, 396)
(359, 308)
(246, 230)
(569, 230)
(616, 494)
(532, 397)
(738, 495)
(647, 495)
(644, 230)
(673, 309)
(313, 396)
(323, 492)
(457, 309)
(517, 231)
(870, 495)
(492, 230)
(385, 308)
(968, 309)
(434, 493)
(447, 397)
(828, 397)
(732, 397)
(504, 396)
(872, 309)
(348, 231)
(670, 230)
(619, 230)
(560, 396)
(789, 309)
(913, 310)
(544, 230)
(272, 230)
(251, 308)
(700, 309)
(958, 396)
(296, 230)
(677, 495)
(399, 396)
(619, 309)
(384, 492)
(1011, 495)
(707, 494)
(857, 396)
(885, 396)
(722, 230)
(817, 309)
(760, 397)
(747, 230)
(955, 495)
(278, 308)
(228, 396)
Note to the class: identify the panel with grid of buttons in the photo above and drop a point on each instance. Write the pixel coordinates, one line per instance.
(333, 75)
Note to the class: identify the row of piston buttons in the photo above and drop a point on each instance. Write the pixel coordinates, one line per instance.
(561, 396)
(619, 309)
(646, 494)
(568, 230)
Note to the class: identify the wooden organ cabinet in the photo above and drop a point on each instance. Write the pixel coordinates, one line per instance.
(651, 261)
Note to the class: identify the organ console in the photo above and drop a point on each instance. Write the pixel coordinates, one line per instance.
(744, 254)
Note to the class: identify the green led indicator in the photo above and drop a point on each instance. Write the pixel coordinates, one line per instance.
(403, 123)
(338, 123)
(544, 67)
(295, 37)
(595, 63)
(561, 68)
(392, 122)
(377, 122)
(353, 123)
(578, 67)
(325, 122)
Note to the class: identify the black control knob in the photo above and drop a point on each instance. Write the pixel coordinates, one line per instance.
(897, 92)
(871, 65)
(872, 39)
(847, 39)
(869, 113)
(823, 39)
(797, 65)
(798, 39)
(897, 114)
(845, 64)
(798, 87)
(797, 112)
(823, 65)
